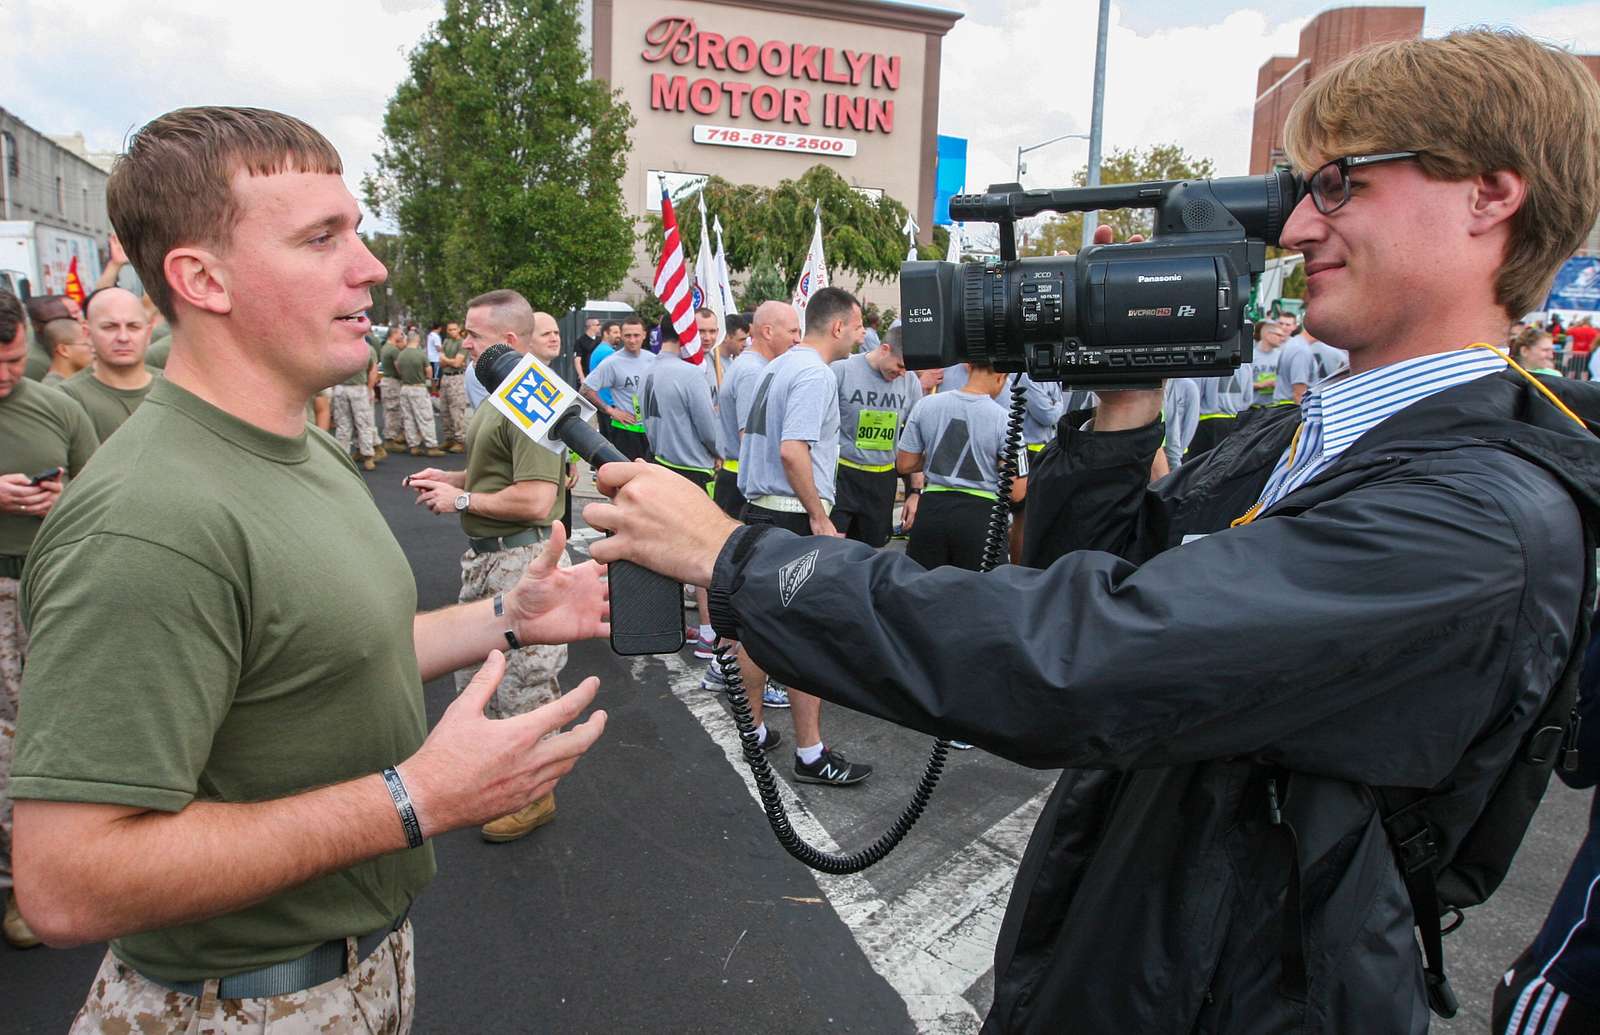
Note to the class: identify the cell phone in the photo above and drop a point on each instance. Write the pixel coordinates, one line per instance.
(45, 476)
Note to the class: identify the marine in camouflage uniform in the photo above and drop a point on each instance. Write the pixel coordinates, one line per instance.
(389, 395)
(454, 411)
(352, 412)
(531, 672)
(378, 994)
(42, 429)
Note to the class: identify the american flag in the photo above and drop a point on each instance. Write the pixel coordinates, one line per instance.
(672, 278)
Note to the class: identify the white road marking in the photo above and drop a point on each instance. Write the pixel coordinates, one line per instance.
(933, 942)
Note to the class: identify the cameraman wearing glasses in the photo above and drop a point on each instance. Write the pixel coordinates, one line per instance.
(1215, 857)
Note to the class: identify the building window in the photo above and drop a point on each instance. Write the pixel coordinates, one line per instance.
(681, 185)
(13, 163)
(870, 193)
(61, 195)
(86, 220)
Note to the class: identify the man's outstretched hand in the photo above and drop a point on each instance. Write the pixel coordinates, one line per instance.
(552, 604)
(659, 520)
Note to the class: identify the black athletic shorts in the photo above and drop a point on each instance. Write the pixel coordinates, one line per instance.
(1208, 434)
(633, 444)
(799, 524)
(949, 530)
(729, 498)
(694, 474)
(864, 510)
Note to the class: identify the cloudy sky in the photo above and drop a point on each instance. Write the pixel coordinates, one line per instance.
(1015, 72)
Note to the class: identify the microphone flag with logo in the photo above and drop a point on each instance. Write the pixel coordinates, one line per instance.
(708, 292)
(814, 274)
(672, 275)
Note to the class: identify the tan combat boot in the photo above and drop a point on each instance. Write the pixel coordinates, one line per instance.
(433, 452)
(456, 447)
(522, 822)
(16, 929)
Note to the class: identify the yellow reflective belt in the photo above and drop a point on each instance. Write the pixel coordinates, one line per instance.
(731, 465)
(1218, 416)
(869, 468)
(982, 494)
(681, 467)
(1036, 447)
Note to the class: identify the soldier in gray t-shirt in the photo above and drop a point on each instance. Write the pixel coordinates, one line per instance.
(624, 373)
(739, 383)
(796, 401)
(1222, 399)
(677, 415)
(876, 394)
(1180, 409)
(955, 439)
(1297, 365)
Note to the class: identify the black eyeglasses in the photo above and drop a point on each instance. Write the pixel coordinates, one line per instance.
(1329, 186)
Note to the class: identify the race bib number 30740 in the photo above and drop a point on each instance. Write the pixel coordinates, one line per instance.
(875, 430)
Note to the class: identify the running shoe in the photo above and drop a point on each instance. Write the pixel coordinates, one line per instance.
(831, 768)
(713, 679)
(961, 745)
(775, 696)
(705, 649)
(774, 738)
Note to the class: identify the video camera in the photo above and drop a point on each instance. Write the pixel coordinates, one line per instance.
(1113, 315)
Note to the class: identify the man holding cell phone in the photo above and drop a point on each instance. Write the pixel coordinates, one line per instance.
(45, 434)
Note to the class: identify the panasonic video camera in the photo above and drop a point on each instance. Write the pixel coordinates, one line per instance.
(1113, 315)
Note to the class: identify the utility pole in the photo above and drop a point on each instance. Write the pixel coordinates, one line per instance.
(1096, 118)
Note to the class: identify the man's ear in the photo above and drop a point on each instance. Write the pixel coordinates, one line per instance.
(1496, 196)
(194, 275)
(513, 339)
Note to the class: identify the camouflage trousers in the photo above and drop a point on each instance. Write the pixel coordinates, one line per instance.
(393, 423)
(352, 418)
(13, 646)
(531, 672)
(416, 410)
(454, 413)
(377, 995)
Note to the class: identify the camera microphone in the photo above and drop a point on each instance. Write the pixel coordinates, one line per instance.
(646, 608)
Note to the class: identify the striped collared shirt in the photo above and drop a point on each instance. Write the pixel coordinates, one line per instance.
(1337, 412)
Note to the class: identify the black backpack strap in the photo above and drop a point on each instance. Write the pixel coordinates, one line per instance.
(1417, 853)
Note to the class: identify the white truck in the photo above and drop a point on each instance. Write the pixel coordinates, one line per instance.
(35, 257)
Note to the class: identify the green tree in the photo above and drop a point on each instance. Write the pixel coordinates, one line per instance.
(502, 160)
(860, 234)
(1157, 162)
(764, 283)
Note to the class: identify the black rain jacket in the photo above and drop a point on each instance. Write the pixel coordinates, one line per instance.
(1397, 621)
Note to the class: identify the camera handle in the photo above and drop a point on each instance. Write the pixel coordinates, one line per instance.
(994, 552)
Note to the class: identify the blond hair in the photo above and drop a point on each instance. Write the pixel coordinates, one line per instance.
(174, 186)
(1473, 102)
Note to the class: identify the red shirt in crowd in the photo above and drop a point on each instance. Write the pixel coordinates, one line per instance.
(1582, 338)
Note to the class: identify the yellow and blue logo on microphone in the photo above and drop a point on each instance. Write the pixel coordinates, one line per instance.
(532, 398)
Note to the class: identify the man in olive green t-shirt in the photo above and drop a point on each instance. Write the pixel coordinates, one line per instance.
(394, 436)
(119, 381)
(507, 499)
(70, 349)
(221, 763)
(453, 408)
(44, 432)
(416, 405)
(352, 412)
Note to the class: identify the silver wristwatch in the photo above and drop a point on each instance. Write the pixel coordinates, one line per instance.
(464, 501)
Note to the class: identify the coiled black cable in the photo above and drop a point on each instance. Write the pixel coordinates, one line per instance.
(995, 546)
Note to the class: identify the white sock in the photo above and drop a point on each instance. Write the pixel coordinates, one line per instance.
(761, 734)
(810, 755)
(708, 634)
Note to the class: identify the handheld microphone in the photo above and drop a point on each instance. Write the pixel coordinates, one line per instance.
(646, 608)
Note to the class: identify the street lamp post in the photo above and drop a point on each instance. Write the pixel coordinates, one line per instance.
(1096, 117)
(1053, 140)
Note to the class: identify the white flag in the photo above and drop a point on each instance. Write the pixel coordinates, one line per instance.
(814, 274)
(910, 229)
(954, 254)
(726, 282)
(707, 288)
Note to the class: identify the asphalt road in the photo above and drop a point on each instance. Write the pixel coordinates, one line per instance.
(658, 900)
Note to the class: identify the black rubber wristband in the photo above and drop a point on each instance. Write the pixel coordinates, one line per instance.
(402, 805)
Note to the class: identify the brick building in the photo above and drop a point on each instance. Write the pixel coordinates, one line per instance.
(1326, 40)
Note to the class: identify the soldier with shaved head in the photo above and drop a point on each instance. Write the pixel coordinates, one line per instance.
(119, 381)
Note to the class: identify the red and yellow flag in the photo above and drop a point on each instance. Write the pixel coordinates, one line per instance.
(74, 289)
